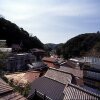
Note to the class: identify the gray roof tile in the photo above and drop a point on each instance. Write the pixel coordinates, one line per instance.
(4, 87)
(75, 72)
(73, 92)
(7, 93)
(49, 87)
(58, 75)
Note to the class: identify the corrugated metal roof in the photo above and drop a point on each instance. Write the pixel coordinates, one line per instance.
(75, 72)
(73, 92)
(58, 76)
(49, 87)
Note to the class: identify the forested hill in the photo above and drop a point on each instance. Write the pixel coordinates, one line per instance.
(50, 46)
(13, 34)
(84, 44)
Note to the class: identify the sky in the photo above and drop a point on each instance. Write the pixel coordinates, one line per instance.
(53, 21)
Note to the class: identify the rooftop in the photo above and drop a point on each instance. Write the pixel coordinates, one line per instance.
(55, 90)
(73, 92)
(58, 75)
(4, 87)
(7, 93)
(49, 87)
(56, 85)
(49, 59)
(75, 72)
(37, 66)
(37, 50)
(68, 64)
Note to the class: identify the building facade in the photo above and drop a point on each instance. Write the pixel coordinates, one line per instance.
(19, 62)
(91, 77)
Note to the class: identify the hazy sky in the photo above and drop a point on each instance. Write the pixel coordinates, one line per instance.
(53, 21)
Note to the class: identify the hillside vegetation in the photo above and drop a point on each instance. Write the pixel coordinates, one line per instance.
(84, 44)
(14, 35)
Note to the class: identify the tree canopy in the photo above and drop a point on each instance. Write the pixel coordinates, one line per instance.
(81, 45)
(15, 35)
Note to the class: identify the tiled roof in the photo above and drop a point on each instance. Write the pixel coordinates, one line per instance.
(7, 93)
(4, 88)
(55, 86)
(75, 72)
(58, 75)
(49, 87)
(38, 64)
(49, 59)
(12, 96)
(73, 92)
(68, 64)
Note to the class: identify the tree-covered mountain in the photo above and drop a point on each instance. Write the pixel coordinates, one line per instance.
(14, 35)
(84, 44)
(50, 46)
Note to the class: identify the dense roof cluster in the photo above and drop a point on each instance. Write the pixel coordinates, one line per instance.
(54, 88)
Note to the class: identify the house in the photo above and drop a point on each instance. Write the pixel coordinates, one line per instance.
(40, 66)
(56, 85)
(51, 84)
(76, 74)
(74, 92)
(91, 76)
(70, 64)
(58, 75)
(18, 62)
(39, 53)
(7, 92)
(91, 72)
(93, 61)
(51, 62)
(47, 88)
